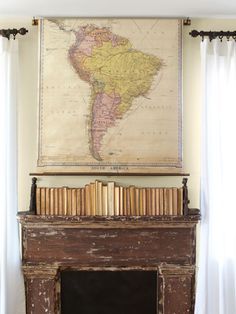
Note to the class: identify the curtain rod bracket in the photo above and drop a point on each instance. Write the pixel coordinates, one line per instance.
(187, 22)
(35, 22)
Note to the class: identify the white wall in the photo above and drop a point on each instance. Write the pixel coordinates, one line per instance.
(28, 113)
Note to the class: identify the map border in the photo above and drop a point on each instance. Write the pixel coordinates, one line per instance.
(118, 167)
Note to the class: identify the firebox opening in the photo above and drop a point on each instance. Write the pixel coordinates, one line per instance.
(109, 292)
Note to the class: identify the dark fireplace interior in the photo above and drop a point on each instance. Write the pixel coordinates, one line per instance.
(109, 292)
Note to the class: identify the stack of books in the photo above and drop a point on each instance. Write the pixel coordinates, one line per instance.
(109, 199)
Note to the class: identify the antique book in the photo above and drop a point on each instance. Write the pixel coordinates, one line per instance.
(47, 201)
(137, 202)
(69, 202)
(117, 201)
(87, 200)
(153, 201)
(161, 193)
(83, 201)
(166, 201)
(93, 199)
(170, 201)
(149, 201)
(132, 200)
(56, 201)
(180, 201)
(121, 210)
(60, 202)
(104, 200)
(175, 201)
(125, 201)
(73, 202)
(157, 192)
(99, 199)
(111, 198)
(38, 201)
(64, 201)
(128, 201)
(144, 201)
(52, 201)
(78, 202)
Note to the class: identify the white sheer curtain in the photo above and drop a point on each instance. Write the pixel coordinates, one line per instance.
(216, 288)
(11, 282)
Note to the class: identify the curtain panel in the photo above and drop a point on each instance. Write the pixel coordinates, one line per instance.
(216, 281)
(11, 280)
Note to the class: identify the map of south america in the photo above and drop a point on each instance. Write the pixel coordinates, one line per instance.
(117, 74)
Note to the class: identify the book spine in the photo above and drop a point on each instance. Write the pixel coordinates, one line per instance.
(170, 201)
(93, 199)
(161, 194)
(153, 197)
(180, 201)
(149, 201)
(73, 202)
(38, 201)
(125, 202)
(47, 195)
(144, 202)
(78, 202)
(121, 209)
(132, 200)
(64, 201)
(87, 200)
(60, 201)
(157, 211)
(52, 201)
(43, 201)
(128, 201)
(117, 201)
(166, 199)
(175, 201)
(56, 201)
(110, 196)
(137, 202)
(141, 202)
(104, 200)
(99, 198)
(69, 202)
(83, 201)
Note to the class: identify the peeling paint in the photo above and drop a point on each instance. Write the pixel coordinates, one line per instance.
(53, 244)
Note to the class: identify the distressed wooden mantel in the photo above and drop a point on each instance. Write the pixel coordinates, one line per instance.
(164, 244)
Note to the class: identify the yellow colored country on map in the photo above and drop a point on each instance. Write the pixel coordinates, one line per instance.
(122, 70)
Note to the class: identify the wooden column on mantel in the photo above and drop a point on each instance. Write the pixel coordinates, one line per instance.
(165, 244)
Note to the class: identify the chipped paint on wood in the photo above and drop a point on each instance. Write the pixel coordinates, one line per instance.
(53, 244)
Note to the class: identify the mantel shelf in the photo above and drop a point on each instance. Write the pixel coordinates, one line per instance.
(180, 174)
(109, 221)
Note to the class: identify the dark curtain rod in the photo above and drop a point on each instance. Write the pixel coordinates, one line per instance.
(8, 32)
(213, 34)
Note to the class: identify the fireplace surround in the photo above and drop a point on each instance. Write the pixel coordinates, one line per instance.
(163, 244)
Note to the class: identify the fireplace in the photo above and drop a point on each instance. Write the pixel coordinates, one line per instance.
(65, 256)
(106, 292)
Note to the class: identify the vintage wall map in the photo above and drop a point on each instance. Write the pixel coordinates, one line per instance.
(110, 95)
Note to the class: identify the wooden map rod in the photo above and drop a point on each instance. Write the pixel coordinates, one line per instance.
(107, 174)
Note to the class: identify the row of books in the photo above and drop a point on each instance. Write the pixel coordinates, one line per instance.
(108, 199)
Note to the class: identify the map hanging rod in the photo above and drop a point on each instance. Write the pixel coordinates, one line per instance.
(213, 34)
(35, 20)
(12, 32)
